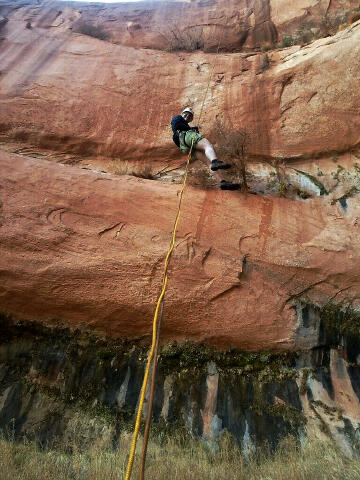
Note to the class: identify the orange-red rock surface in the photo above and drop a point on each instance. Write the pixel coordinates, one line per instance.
(86, 249)
(68, 91)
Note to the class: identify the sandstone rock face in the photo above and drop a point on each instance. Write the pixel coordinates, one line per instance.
(71, 92)
(241, 25)
(87, 250)
(305, 19)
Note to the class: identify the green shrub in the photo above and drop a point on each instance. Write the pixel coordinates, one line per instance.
(287, 41)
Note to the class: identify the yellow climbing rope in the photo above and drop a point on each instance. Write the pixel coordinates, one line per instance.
(161, 296)
(155, 321)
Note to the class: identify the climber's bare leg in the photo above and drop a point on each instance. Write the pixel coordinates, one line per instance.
(205, 146)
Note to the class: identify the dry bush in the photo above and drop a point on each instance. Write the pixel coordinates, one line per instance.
(125, 168)
(232, 144)
(143, 171)
(91, 30)
(5, 127)
(354, 16)
(282, 180)
(265, 63)
(188, 40)
(20, 135)
(200, 176)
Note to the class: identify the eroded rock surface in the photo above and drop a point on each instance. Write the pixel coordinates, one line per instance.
(87, 249)
(242, 25)
(72, 92)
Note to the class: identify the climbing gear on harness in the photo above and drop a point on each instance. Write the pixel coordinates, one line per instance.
(219, 165)
(224, 185)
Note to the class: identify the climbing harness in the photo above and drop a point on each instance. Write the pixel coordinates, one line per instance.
(157, 322)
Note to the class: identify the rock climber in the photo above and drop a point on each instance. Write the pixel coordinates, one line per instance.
(184, 135)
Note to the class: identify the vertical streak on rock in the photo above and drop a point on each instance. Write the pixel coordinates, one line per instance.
(168, 392)
(121, 396)
(328, 8)
(345, 396)
(261, 113)
(206, 211)
(264, 227)
(208, 412)
(247, 446)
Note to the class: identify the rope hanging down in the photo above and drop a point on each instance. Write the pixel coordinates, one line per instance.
(155, 323)
(159, 304)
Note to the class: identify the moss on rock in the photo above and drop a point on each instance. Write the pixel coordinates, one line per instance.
(342, 318)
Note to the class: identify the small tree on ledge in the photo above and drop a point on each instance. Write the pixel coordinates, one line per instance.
(232, 144)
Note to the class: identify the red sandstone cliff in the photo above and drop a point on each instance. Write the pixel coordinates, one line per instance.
(87, 249)
(71, 92)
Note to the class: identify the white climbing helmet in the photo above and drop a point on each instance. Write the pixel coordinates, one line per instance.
(187, 109)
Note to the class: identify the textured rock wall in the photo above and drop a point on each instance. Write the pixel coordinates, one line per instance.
(239, 25)
(51, 379)
(87, 249)
(71, 92)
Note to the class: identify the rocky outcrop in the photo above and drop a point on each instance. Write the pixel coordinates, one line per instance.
(243, 25)
(86, 249)
(71, 92)
(55, 384)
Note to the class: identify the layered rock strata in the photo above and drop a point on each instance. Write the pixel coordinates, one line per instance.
(84, 249)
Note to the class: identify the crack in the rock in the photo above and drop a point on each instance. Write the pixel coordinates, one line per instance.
(225, 292)
(121, 225)
(305, 290)
(53, 212)
(338, 292)
(328, 8)
(205, 256)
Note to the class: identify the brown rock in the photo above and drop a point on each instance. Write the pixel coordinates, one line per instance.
(71, 92)
(86, 249)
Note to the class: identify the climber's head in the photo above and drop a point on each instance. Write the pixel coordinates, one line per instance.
(187, 114)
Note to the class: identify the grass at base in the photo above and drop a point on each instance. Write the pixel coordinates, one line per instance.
(194, 461)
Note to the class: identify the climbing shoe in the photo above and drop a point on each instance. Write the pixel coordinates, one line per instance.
(219, 165)
(224, 185)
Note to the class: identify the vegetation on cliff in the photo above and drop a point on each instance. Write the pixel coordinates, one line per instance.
(341, 319)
